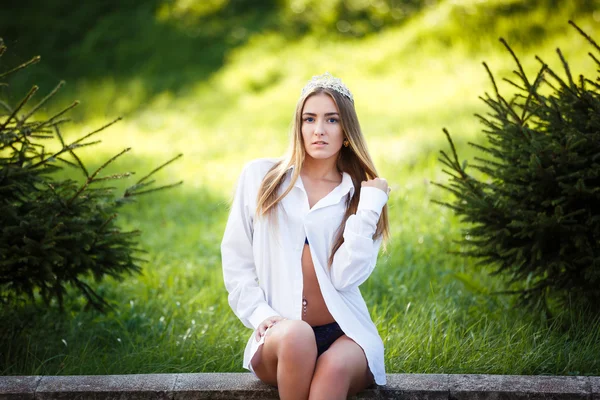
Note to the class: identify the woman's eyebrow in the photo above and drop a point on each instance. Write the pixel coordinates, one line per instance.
(326, 114)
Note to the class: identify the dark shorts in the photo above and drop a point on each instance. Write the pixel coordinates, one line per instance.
(325, 335)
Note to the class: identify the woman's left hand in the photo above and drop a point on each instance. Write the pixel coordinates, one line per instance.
(379, 183)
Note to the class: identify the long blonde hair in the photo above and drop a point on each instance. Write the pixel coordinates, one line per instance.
(354, 159)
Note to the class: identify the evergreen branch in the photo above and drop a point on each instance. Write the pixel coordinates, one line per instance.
(21, 104)
(491, 78)
(533, 92)
(79, 146)
(24, 65)
(595, 59)
(60, 138)
(56, 195)
(137, 186)
(497, 106)
(512, 112)
(79, 162)
(93, 298)
(490, 162)
(445, 204)
(44, 100)
(458, 194)
(591, 82)
(61, 121)
(63, 150)
(451, 174)
(102, 227)
(105, 223)
(72, 164)
(585, 35)
(33, 136)
(108, 163)
(514, 56)
(91, 178)
(128, 194)
(485, 121)
(556, 77)
(547, 82)
(113, 177)
(50, 121)
(446, 161)
(567, 69)
(483, 148)
(160, 167)
(96, 131)
(514, 84)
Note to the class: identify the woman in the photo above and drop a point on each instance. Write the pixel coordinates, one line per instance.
(303, 233)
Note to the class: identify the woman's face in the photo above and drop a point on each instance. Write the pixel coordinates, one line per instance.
(321, 129)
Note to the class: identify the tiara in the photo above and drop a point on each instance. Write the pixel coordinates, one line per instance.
(328, 81)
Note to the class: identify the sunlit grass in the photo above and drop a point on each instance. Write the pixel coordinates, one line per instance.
(433, 309)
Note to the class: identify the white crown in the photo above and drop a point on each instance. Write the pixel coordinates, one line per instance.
(328, 81)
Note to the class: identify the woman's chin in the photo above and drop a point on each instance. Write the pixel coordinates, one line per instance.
(320, 155)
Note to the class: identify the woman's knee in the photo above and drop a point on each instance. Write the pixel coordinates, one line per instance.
(295, 338)
(334, 368)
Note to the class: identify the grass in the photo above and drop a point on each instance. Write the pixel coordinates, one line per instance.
(434, 310)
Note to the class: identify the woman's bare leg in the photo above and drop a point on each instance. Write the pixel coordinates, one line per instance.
(287, 358)
(341, 371)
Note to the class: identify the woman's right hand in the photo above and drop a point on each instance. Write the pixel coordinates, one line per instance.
(380, 183)
(266, 324)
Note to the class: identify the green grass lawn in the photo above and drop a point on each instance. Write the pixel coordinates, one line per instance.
(434, 310)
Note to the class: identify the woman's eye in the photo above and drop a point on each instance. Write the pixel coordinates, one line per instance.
(309, 119)
(333, 120)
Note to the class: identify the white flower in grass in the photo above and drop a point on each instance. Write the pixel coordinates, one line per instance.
(119, 340)
(162, 319)
(64, 341)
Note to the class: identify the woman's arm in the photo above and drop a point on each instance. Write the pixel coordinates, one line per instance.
(354, 261)
(246, 298)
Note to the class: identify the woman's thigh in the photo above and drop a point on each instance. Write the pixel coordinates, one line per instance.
(345, 363)
(286, 336)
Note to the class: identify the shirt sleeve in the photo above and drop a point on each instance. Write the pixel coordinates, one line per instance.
(246, 297)
(354, 261)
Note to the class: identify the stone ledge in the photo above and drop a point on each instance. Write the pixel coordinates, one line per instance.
(246, 386)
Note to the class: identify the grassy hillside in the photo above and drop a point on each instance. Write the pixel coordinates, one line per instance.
(434, 310)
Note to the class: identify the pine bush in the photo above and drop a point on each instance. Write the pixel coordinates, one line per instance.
(56, 233)
(533, 210)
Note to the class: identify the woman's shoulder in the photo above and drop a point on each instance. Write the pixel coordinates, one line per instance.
(256, 169)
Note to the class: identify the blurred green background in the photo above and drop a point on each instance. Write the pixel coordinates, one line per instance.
(218, 81)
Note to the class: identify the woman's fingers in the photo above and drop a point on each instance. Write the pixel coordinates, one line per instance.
(266, 324)
(380, 183)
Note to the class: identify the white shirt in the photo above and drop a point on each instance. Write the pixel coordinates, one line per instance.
(262, 267)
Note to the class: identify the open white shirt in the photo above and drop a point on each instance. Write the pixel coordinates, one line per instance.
(262, 267)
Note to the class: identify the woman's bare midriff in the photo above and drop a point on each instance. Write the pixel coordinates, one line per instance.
(316, 310)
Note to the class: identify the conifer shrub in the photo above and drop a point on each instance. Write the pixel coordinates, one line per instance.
(532, 209)
(58, 232)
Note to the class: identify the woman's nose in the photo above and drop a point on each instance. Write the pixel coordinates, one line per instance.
(319, 129)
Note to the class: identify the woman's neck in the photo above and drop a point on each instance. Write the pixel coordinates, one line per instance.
(320, 169)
